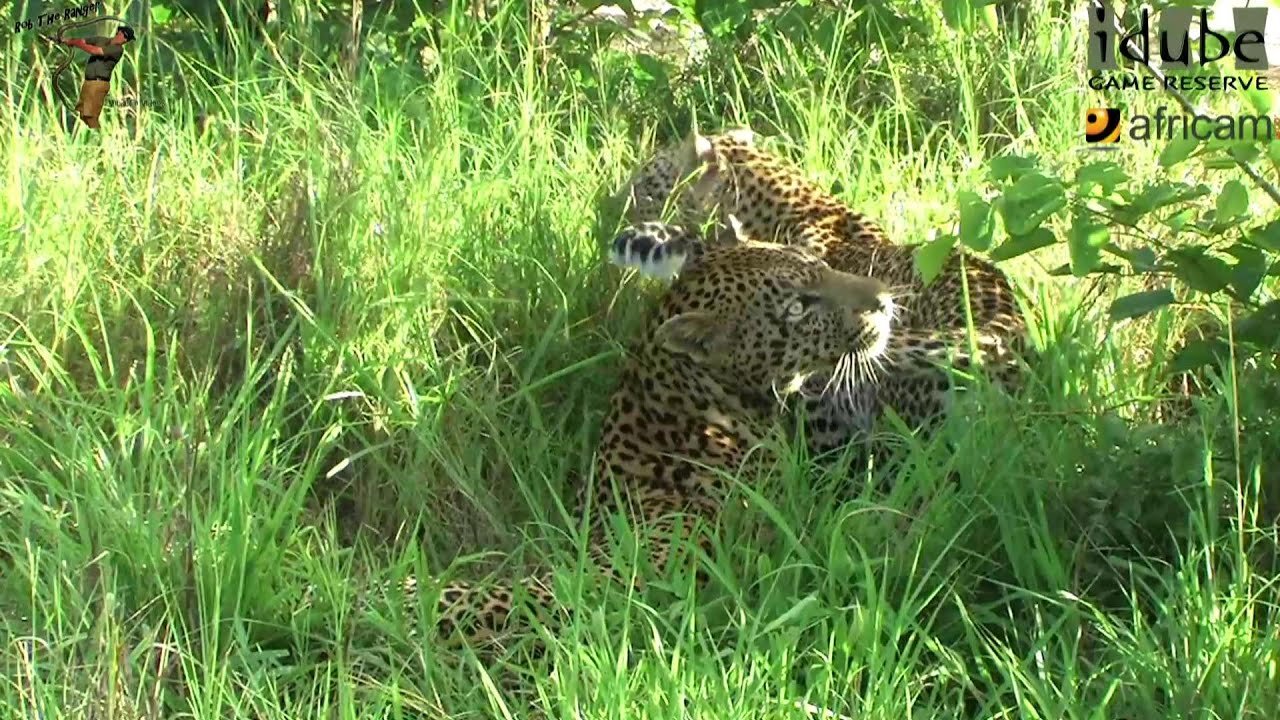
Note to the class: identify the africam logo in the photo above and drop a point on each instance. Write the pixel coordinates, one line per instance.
(1104, 126)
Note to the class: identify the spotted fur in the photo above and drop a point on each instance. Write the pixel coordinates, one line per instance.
(740, 326)
(728, 181)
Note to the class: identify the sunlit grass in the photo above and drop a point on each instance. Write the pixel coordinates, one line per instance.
(246, 377)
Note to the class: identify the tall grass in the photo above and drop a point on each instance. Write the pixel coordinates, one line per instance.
(358, 332)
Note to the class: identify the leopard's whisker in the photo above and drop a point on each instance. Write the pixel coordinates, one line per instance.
(834, 377)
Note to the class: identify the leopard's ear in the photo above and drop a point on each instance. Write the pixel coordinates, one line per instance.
(703, 148)
(704, 151)
(698, 333)
(736, 226)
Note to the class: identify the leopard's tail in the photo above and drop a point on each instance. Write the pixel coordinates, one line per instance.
(654, 249)
(480, 611)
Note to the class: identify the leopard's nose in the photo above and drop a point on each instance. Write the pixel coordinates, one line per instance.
(858, 293)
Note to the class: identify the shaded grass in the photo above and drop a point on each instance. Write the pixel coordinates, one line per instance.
(381, 338)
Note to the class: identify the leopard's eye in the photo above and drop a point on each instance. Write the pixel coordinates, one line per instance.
(801, 305)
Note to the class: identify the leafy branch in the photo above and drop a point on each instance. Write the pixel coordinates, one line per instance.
(1220, 249)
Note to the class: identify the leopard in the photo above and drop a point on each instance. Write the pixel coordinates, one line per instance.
(728, 183)
(695, 403)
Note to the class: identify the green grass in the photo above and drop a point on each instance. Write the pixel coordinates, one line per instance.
(244, 378)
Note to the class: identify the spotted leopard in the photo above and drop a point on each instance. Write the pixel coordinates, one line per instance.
(741, 325)
(729, 182)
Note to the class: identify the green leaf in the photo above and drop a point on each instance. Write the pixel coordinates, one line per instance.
(1142, 259)
(1140, 303)
(958, 14)
(1247, 274)
(1163, 194)
(1233, 201)
(1219, 162)
(1178, 150)
(1273, 151)
(1114, 430)
(1022, 244)
(649, 69)
(1196, 354)
(1156, 196)
(1030, 201)
(1011, 167)
(1179, 220)
(1199, 270)
(1246, 151)
(1085, 241)
(1260, 100)
(1261, 328)
(932, 257)
(1064, 270)
(1266, 237)
(989, 14)
(688, 8)
(977, 221)
(160, 14)
(1104, 174)
(723, 19)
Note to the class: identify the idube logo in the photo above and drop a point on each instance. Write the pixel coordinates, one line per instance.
(1166, 40)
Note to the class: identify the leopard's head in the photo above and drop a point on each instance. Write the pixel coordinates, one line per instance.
(680, 182)
(763, 317)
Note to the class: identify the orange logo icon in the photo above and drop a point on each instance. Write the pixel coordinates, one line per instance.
(1101, 125)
